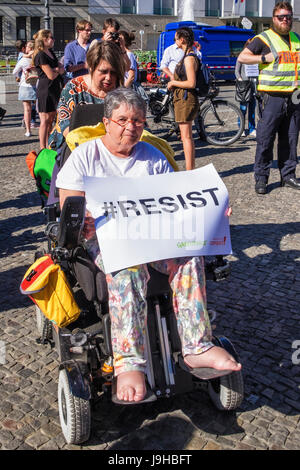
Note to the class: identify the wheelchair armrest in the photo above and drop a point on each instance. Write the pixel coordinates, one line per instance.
(71, 221)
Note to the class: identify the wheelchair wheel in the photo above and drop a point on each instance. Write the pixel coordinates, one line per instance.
(74, 413)
(227, 392)
(44, 326)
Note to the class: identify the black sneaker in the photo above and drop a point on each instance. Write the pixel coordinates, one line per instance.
(261, 187)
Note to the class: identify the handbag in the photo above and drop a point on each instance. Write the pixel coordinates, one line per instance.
(243, 91)
(47, 286)
(31, 76)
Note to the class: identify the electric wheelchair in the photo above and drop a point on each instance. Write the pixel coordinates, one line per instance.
(84, 347)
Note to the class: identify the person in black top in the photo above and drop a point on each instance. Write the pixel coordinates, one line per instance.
(49, 83)
(279, 89)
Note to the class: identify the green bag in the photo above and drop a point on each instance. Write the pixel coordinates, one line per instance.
(41, 167)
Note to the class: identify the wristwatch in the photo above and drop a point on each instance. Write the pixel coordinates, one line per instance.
(263, 59)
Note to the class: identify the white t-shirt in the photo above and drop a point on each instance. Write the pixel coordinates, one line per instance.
(92, 158)
(133, 65)
(21, 66)
(173, 55)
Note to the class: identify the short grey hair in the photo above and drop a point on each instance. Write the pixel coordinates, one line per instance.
(115, 98)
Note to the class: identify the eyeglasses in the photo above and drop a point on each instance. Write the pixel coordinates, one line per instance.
(87, 30)
(124, 122)
(281, 17)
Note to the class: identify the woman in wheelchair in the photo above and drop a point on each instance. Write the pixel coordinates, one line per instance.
(120, 153)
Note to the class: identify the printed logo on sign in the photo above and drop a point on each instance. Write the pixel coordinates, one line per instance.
(191, 245)
(2, 353)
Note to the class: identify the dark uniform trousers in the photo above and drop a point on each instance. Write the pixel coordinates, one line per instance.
(280, 115)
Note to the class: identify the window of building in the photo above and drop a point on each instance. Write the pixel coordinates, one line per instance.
(64, 32)
(163, 7)
(1, 29)
(35, 25)
(128, 6)
(70, 1)
(21, 27)
(212, 7)
(252, 8)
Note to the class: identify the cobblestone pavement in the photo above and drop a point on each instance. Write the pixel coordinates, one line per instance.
(258, 309)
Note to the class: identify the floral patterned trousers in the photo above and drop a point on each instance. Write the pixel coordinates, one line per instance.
(128, 309)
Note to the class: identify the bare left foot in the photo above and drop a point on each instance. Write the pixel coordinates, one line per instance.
(215, 358)
(131, 386)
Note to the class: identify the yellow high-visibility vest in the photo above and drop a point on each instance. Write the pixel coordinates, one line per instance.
(283, 74)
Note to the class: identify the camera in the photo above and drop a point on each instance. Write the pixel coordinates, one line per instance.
(114, 36)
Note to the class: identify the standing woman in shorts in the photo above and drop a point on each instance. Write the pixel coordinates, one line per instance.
(185, 97)
(49, 84)
(27, 92)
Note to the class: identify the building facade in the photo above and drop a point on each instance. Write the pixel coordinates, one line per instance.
(20, 19)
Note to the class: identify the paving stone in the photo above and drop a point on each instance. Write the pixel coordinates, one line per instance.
(36, 440)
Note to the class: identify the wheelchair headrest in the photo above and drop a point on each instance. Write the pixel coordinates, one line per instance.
(86, 115)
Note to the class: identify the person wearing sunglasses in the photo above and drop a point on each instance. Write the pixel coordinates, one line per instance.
(121, 153)
(277, 51)
(75, 51)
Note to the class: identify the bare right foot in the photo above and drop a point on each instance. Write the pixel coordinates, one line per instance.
(131, 386)
(215, 357)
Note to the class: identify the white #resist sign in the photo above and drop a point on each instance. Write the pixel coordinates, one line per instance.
(139, 220)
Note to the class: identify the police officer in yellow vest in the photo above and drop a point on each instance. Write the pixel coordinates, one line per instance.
(277, 51)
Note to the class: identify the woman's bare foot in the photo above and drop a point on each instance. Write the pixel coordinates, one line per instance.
(131, 386)
(215, 357)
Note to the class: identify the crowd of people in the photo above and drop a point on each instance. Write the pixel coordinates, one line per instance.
(105, 71)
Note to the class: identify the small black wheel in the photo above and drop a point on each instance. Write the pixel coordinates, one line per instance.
(223, 122)
(44, 326)
(74, 413)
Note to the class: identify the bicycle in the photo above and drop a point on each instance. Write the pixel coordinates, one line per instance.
(219, 122)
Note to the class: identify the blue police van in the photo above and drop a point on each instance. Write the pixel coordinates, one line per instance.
(220, 45)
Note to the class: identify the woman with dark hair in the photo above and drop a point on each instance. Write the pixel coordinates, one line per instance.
(49, 82)
(106, 72)
(185, 97)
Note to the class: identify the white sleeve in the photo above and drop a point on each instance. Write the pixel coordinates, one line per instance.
(165, 59)
(132, 60)
(72, 173)
(18, 67)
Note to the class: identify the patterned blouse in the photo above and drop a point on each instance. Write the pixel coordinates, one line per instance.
(75, 92)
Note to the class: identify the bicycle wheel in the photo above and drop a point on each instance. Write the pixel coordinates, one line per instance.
(160, 121)
(223, 122)
(165, 128)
